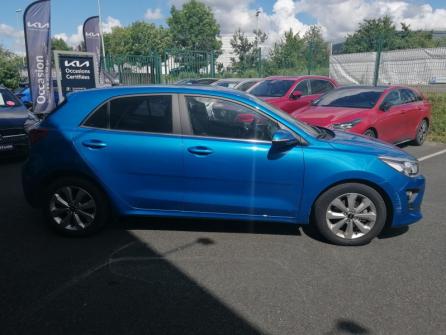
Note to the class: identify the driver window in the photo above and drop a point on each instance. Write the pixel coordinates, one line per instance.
(392, 99)
(302, 87)
(222, 118)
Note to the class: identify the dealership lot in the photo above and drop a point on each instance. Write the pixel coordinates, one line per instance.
(186, 277)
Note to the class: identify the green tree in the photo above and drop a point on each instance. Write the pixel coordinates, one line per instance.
(288, 52)
(194, 27)
(59, 44)
(139, 38)
(316, 53)
(247, 51)
(10, 65)
(382, 34)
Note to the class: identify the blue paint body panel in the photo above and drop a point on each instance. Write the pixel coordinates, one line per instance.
(157, 174)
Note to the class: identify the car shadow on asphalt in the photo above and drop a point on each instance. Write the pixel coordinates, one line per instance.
(206, 225)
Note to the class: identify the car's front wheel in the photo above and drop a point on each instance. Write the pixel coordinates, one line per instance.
(350, 214)
(75, 207)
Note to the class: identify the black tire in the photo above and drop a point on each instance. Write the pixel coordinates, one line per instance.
(321, 208)
(422, 130)
(101, 212)
(370, 133)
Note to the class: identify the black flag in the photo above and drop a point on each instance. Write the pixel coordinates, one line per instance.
(92, 38)
(37, 26)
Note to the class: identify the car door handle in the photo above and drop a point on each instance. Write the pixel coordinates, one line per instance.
(200, 151)
(94, 144)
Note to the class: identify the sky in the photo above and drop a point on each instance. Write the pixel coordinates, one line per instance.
(336, 17)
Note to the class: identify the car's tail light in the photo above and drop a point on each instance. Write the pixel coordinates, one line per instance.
(37, 134)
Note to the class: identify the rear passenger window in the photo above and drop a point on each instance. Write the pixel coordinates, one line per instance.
(99, 118)
(142, 113)
(319, 86)
(408, 96)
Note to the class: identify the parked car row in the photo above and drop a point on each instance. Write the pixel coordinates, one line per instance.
(393, 114)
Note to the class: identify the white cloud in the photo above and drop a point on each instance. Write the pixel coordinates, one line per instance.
(16, 38)
(153, 14)
(109, 23)
(340, 17)
(336, 17)
(75, 39)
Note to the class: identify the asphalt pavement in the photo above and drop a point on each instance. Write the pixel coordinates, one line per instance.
(152, 276)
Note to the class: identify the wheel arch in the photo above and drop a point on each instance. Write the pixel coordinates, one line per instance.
(373, 185)
(55, 175)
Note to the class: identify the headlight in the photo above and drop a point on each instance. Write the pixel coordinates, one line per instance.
(346, 125)
(408, 167)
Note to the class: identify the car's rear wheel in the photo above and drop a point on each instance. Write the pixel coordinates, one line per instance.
(75, 207)
(422, 130)
(370, 133)
(350, 214)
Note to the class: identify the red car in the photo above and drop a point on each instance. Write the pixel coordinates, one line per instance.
(392, 113)
(291, 93)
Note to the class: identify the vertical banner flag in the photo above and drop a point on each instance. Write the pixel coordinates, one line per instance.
(92, 38)
(36, 21)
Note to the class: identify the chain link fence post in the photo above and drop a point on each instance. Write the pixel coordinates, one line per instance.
(378, 60)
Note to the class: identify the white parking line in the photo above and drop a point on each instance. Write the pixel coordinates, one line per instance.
(432, 155)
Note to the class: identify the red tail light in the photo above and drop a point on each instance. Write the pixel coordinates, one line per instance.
(36, 134)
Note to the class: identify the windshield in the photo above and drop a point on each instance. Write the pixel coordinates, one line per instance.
(7, 99)
(305, 127)
(272, 88)
(350, 98)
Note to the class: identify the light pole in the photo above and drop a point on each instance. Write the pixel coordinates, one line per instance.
(17, 15)
(258, 12)
(102, 35)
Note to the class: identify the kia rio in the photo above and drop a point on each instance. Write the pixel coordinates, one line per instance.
(204, 152)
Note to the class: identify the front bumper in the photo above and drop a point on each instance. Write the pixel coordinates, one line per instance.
(407, 199)
(13, 144)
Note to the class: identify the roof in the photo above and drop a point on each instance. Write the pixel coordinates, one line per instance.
(171, 88)
(296, 77)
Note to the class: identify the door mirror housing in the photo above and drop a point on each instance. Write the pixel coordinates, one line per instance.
(385, 106)
(283, 139)
(295, 95)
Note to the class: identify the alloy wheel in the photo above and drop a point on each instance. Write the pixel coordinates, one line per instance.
(72, 208)
(351, 216)
(422, 131)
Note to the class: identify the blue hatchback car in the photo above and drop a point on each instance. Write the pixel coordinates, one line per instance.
(206, 152)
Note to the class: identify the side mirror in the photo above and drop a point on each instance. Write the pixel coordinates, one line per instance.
(385, 106)
(283, 139)
(295, 95)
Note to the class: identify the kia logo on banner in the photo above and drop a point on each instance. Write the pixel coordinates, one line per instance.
(36, 22)
(38, 25)
(76, 63)
(92, 35)
(92, 39)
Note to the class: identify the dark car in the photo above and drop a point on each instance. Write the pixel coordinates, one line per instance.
(14, 120)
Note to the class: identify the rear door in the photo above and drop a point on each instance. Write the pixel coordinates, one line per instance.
(414, 112)
(133, 145)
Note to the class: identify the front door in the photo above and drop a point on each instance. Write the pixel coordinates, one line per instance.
(390, 122)
(229, 167)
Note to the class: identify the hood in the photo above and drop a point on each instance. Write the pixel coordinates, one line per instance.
(325, 116)
(367, 145)
(13, 117)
